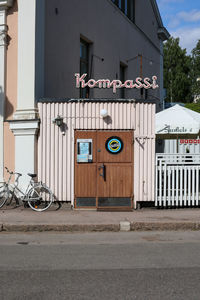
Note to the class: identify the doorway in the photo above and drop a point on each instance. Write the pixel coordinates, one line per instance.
(104, 170)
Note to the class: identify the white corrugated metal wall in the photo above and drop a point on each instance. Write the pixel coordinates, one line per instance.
(56, 150)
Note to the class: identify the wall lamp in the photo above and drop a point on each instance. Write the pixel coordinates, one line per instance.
(58, 121)
(103, 113)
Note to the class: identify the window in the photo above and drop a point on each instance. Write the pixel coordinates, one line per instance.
(122, 78)
(84, 65)
(128, 8)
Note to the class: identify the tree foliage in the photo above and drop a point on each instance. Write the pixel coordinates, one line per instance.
(177, 72)
(195, 69)
(193, 106)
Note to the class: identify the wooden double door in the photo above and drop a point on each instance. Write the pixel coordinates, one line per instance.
(104, 169)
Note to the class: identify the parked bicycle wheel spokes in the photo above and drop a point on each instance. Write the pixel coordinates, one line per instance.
(3, 195)
(40, 198)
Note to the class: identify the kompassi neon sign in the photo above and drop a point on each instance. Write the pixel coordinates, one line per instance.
(115, 84)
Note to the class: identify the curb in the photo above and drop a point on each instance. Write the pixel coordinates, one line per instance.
(61, 228)
(135, 226)
(142, 226)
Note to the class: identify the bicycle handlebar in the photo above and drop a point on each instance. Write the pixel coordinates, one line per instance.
(12, 173)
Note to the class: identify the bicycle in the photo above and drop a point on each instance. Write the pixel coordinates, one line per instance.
(38, 196)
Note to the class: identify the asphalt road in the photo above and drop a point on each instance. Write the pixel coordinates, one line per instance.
(140, 265)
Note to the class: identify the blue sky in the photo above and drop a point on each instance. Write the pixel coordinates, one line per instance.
(182, 19)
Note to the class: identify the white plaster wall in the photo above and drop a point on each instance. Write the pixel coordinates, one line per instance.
(2, 84)
(26, 55)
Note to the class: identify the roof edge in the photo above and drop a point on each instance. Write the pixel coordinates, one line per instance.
(157, 12)
(96, 100)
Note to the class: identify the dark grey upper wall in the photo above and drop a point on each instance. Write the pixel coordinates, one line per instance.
(113, 37)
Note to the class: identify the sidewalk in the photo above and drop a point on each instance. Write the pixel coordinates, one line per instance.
(64, 219)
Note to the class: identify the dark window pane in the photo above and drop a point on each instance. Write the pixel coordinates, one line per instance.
(84, 65)
(132, 10)
(126, 7)
(123, 5)
(85, 202)
(129, 8)
(84, 50)
(114, 202)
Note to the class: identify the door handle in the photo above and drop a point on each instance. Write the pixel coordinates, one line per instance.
(103, 174)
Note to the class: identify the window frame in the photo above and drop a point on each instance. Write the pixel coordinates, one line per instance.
(122, 75)
(127, 7)
(86, 62)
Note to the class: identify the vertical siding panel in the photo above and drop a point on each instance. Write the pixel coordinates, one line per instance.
(101, 123)
(69, 152)
(146, 123)
(60, 159)
(112, 115)
(141, 133)
(44, 143)
(64, 170)
(115, 114)
(77, 115)
(106, 124)
(132, 113)
(72, 166)
(53, 157)
(93, 113)
(40, 107)
(48, 144)
(149, 153)
(89, 115)
(152, 161)
(97, 115)
(56, 154)
(109, 125)
(124, 116)
(85, 113)
(81, 111)
(120, 115)
(136, 157)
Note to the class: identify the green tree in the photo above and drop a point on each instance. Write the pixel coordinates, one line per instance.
(193, 106)
(195, 70)
(177, 68)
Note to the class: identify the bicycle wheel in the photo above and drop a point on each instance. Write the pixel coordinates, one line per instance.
(40, 198)
(3, 195)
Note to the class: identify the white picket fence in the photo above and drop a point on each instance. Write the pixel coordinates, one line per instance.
(177, 180)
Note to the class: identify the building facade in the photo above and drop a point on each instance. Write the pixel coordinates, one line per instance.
(43, 44)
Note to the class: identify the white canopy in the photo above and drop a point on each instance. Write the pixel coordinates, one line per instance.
(177, 120)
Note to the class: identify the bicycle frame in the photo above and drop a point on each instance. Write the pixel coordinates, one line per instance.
(23, 195)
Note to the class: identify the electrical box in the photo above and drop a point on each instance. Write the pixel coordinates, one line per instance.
(84, 150)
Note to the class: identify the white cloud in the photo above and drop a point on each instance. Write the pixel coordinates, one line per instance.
(166, 4)
(183, 16)
(191, 16)
(169, 1)
(174, 22)
(188, 37)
